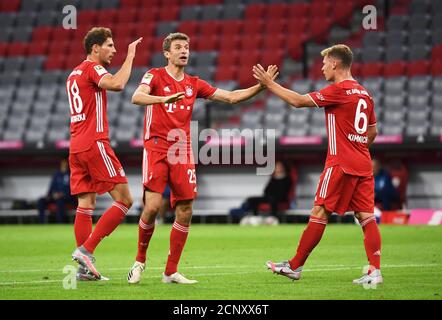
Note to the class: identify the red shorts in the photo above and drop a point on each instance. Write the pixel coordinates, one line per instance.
(157, 172)
(340, 192)
(95, 170)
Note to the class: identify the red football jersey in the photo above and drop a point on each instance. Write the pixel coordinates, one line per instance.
(161, 119)
(349, 111)
(87, 103)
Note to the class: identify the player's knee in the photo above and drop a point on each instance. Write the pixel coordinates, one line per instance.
(128, 201)
(151, 209)
(319, 212)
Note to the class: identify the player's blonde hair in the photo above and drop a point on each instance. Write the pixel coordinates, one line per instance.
(174, 36)
(341, 52)
(97, 35)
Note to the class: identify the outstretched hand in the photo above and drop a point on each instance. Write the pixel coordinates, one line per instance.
(265, 77)
(132, 48)
(174, 97)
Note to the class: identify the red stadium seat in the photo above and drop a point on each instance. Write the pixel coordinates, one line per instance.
(106, 17)
(315, 71)
(80, 33)
(320, 9)
(148, 15)
(373, 69)
(276, 11)
(123, 31)
(298, 28)
(142, 59)
(87, 18)
(395, 69)
(436, 52)
(273, 42)
(342, 12)
(418, 68)
(298, 11)
(191, 2)
(168, 13)
(277, 27)
(251, 42)
(232, 27)
(245, 76)
(58, 48)
(55, 62)
(126, 15)
(211, 27)
(208, 43)
(60, 34)
(157, 44)
(10, 6)
(273, 56)
(17, 49)
(253, 27)
(144, 30)
(255, 11)
(3, 47)
(229, 42)
(249, 58)
(228, 58)
(356, 69)
(38, 48)
(320, 28)
(191, 28)
(295, 47)
(226, 73)
(42, 34)
(130, 3)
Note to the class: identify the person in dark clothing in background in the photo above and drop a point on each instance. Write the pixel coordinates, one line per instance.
(384, 192)
(276, 191)
(59, 193)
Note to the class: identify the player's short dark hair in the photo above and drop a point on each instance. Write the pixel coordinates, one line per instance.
(341, 52)
(97, 35)
(174, 36)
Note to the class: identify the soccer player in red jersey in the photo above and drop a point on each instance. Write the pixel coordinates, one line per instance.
(346, 183)
(94, 166)
(169, 94)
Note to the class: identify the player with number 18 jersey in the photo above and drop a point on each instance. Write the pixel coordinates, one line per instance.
(90, 132)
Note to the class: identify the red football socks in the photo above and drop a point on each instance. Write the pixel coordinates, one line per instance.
(178, 237)
(83, 225)
(310, 238)
(145, 232)
(372, 241)
(107, 223)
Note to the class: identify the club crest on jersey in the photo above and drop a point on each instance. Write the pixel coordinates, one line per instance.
(100, 70)
(189, 91)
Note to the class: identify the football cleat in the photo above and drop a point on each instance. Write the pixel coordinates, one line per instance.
(84, 275)
(87, 260)
(374, 277)
(177, 278)
(134, 275)
(284, 269)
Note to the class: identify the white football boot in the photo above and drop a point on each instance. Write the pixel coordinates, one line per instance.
(284, 269)
(375, 277)
(134, 275)
(177, 278)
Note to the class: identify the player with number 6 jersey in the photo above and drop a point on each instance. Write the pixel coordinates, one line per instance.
(94, 165)
(347, 183)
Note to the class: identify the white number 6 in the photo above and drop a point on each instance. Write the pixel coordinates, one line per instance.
(361, 115)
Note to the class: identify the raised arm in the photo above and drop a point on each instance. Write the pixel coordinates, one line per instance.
(142, 97)
(118, 81)
(291, 97)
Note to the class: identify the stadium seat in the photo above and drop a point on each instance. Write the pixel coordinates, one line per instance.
(416, 68)
(395, 69)
(372, 69)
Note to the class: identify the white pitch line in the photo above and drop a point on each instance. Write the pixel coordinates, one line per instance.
(13, 283)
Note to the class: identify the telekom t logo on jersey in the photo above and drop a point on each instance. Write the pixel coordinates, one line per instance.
(171, 107)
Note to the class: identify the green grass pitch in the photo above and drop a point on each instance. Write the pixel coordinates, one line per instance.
(227, 260)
